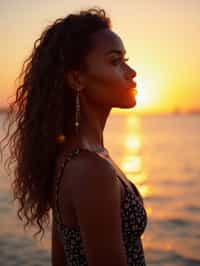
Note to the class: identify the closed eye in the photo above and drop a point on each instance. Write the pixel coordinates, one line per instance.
(119, 60)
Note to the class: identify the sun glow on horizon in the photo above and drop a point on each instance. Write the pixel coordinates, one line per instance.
(146, 95)
(162, 42)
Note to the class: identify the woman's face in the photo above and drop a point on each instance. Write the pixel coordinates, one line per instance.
(108, 79)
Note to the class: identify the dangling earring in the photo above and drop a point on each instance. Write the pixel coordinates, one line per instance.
(77, 115)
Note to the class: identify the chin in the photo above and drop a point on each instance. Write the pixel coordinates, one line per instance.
(129, 104)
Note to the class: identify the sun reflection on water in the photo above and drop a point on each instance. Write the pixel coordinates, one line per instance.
(131, 164)
(133, 143)
(131, 161)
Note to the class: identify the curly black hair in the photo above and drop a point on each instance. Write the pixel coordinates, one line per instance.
(43, 109)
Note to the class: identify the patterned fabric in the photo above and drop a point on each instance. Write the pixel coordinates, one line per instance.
(134, 221)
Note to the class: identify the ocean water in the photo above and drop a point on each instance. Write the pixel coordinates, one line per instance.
(160, 154)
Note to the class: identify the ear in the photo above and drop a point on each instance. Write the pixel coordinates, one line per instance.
(74, 79)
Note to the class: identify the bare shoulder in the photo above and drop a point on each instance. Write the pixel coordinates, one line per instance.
(87, 170)
(96, 198)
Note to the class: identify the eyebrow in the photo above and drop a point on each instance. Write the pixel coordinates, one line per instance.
(116, 51)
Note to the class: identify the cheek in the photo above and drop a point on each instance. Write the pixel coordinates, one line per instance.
(112, 77)
(106, 85)
(104, 80)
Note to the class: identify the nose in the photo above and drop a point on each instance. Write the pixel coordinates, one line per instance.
(131, 73)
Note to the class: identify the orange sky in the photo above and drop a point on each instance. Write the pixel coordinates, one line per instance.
(162, 40)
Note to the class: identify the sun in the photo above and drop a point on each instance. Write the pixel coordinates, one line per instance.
(145, 96)
(148, 96)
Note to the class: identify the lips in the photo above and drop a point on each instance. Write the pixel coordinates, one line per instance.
(133, 85)
(134, 91)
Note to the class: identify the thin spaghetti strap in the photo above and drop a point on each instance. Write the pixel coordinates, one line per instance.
(67, 158)
(135, 190)
(122, 181)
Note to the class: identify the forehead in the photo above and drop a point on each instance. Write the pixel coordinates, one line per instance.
(105, 41)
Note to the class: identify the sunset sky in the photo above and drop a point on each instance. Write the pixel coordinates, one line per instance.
(162, 40)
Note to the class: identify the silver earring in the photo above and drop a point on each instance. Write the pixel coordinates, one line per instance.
(77, 115)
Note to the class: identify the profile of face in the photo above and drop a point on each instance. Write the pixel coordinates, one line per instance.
(108, 79)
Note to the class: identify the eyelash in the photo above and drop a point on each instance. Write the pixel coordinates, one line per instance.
(119, 59)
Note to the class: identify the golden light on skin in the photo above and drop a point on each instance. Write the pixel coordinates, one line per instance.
(149, 211)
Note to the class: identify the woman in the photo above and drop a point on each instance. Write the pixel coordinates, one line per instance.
(75, 75)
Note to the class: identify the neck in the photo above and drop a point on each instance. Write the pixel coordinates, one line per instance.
(91, 126)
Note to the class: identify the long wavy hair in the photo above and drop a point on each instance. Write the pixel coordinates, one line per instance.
(43, 110)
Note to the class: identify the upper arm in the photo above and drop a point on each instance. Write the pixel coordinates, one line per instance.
(97, 207)
(57, 251)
